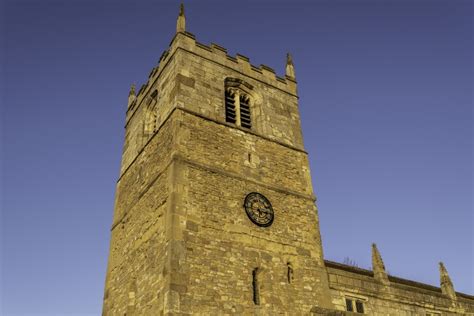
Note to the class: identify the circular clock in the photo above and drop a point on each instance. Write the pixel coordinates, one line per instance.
(258, 209)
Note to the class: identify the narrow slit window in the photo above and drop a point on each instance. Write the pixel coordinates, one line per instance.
(359, 307)
(255, 286)
(289, 272)
(229, 107)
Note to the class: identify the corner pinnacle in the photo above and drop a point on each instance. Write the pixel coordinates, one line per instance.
(290, 68)
(181, 23)
(447, 287)
(131, 95)
(132, 89)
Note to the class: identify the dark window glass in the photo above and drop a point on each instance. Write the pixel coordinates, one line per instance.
(349, 305)
(359, 307)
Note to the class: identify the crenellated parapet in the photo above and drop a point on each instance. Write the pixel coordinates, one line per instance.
(186, 42)
(218, 54)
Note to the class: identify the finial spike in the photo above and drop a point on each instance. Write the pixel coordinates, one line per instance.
(447, 287)
(181, 23)
(290, 68)
(378, 267)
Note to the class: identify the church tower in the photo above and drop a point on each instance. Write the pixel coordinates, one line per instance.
(214, 211)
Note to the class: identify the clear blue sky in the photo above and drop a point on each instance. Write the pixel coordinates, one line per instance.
(385, 97)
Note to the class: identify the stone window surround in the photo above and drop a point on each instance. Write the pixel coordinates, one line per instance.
(150, 124)
(238, 94)
(239, 88)
(354, 298)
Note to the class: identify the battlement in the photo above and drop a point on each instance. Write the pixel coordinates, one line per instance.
(187, 42)
(239, 62)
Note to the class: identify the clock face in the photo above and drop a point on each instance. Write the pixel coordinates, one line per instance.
(258, 209)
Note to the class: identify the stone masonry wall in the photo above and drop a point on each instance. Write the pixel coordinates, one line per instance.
(138, 256)
(221, 247)
(161, 255)
(155, 100)
(193, 75)
(396, 299)
(216, 246)
(201, 78)
(138, 267)
(233, 150)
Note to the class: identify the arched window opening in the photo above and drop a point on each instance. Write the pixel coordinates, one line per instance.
(238, 102)
(150, 114)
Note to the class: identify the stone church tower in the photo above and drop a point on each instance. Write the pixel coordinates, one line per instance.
(215, 211)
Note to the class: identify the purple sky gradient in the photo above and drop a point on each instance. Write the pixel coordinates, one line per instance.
(385, 98)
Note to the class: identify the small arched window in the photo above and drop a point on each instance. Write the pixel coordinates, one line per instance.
(150, 112)
(238, 102)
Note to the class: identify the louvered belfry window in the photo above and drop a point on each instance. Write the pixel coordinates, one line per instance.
(238, 102)
(230, 106)
(245, 120)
